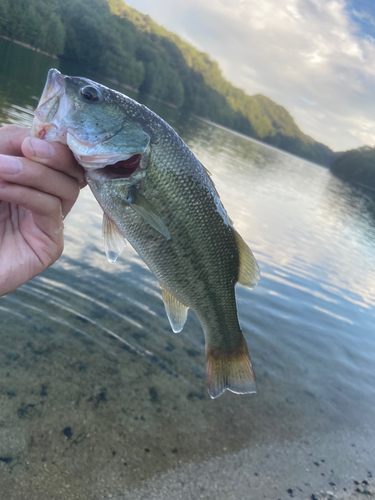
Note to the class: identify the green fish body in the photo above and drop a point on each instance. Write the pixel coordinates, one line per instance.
(158, 196)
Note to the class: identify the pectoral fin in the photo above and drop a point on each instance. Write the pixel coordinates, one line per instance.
(176, 310)
(248, 273)
(145, 209)
(114, 242)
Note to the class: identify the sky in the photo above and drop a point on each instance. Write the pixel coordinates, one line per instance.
(314, 57)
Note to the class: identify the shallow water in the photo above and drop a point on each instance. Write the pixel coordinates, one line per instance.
(97, 393)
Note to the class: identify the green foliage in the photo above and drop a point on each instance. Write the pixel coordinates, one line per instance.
(115, 40)
(356, 165)
(209, 95)
(34, 22)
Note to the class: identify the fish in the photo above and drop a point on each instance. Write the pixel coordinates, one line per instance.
(157, 195)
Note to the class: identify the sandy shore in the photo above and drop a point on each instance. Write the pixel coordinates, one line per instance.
(332, 467)
(364, 488)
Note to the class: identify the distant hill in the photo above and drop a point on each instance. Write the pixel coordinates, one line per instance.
(357, 166)
(115, 40)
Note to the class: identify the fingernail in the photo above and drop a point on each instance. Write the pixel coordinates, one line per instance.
(41, 149)
(10, 165)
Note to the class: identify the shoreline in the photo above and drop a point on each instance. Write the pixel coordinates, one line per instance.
(111, 80)
(332, 466)
(27, 46)
(129, 87)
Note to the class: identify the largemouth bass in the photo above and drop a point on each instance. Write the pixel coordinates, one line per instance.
(157, 195)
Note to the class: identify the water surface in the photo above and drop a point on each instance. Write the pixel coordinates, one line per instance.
(97, 393)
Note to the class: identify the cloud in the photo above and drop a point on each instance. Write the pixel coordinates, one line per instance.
(364, 17)
(307, 55)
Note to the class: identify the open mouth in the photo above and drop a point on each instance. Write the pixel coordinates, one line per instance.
(122, 169)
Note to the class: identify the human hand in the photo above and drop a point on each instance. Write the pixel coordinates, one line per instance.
(39, 184)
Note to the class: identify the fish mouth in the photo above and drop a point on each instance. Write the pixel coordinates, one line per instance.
(50, 99)
(123, 169)
(120, 170)
(52, 108)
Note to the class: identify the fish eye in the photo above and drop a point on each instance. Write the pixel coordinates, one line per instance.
(90, 94)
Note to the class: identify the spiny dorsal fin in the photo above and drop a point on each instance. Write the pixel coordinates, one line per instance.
(207, 171)
(114, 242)
(248, 273)
(145, 209)
(176, 310)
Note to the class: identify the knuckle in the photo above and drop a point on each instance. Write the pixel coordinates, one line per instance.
(59, 251)
(11, 138)
(56, 253)
(82, 179)
(54, 207)
(75, 192)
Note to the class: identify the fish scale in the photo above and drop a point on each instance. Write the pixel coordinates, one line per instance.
(169, 211)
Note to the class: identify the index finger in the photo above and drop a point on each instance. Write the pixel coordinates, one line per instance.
(11, 138)
(54, 155)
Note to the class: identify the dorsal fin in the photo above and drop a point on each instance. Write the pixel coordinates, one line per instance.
(248, 273)
(114, 241)
(207, 171)
(176, 310)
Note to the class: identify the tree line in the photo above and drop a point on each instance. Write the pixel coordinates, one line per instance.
(113, 39)
(357, 166)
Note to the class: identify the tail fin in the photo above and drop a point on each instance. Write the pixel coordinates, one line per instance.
(229, 371)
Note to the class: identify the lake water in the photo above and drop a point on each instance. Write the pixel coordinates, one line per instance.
(99, 396)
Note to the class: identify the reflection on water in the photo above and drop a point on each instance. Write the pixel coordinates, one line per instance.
(94, 382)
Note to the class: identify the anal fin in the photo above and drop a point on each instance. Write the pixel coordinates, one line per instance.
(176, 310)
(114, 241)
(230, 371)
(248, 273)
